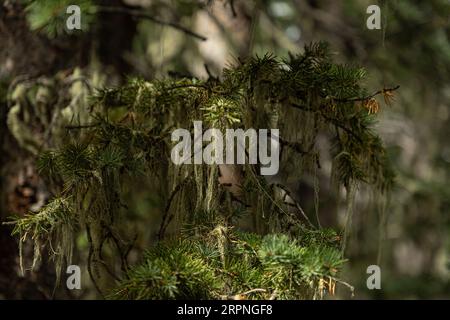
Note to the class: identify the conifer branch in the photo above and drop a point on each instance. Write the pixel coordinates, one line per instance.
(134, 142)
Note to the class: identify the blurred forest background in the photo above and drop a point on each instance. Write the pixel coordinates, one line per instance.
(178, 38)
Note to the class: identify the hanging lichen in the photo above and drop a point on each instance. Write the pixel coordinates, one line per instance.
(127, 133)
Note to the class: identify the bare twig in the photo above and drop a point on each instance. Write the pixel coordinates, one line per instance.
(241, 296)
(90, 260)
(210, 75)
(296, 204)
(166, 217)
(297, 147)
(346, 284)
(333, 121)
(369, 96)
(143, 15)
(83, 126)
(188, 85)
(233, 9)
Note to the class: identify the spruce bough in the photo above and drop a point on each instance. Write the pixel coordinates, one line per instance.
(202, 251)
